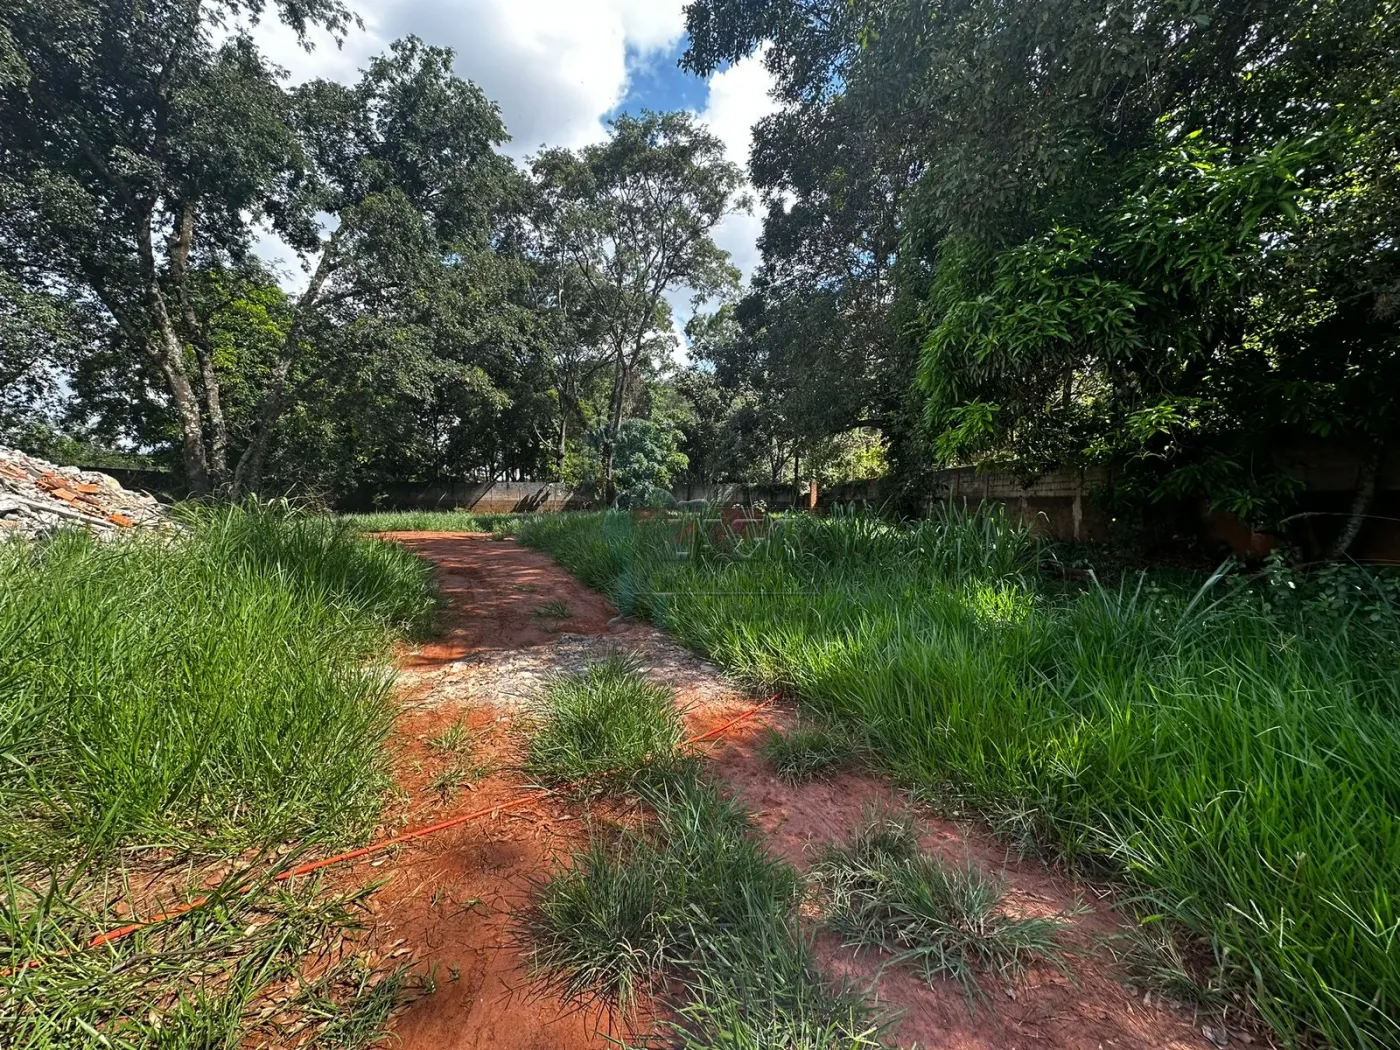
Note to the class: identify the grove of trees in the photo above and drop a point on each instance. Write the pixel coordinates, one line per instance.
(1158, 234)
(457, 316)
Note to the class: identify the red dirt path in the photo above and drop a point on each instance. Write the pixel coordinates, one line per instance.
(450, 897)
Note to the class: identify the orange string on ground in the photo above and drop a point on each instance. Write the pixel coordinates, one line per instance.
(378, 847)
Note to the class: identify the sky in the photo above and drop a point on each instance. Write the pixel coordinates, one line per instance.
(559, 69)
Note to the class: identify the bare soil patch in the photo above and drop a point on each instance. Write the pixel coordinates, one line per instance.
(450, 898)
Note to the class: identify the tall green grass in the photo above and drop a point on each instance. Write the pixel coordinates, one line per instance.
(1230, 751)
(431, 521)
(208, 690)
(214, 692)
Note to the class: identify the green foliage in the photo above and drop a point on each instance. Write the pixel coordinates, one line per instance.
(207, 690)
(1229, 753)
(414, 312)
(646, 456)
(1171, 256)
(626, 911)
(431, 521)
(625, 221)
(759, 989)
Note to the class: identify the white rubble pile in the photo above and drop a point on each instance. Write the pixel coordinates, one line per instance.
(37, 498)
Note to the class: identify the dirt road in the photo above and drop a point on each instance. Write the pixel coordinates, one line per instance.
(512, 618)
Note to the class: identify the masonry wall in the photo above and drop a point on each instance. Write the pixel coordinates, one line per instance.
(489, 497)
(1059, 506)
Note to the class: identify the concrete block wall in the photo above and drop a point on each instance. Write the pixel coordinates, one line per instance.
(488, 497)
(1058, 506)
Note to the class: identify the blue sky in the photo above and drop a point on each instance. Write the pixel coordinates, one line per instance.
(658, 82)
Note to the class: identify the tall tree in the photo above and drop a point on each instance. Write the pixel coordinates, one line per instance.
(141, 144)
(131, 137)
(401, 183)
(634, 219)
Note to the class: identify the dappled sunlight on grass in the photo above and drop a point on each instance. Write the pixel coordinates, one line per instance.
(1234, 757)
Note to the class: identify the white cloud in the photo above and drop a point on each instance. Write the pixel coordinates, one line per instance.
(556, 67)
(739, 98)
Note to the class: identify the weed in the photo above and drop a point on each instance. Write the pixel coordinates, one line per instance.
(805, 751)
(691, 904)
(760, 989)
(203, 979)
(608, 722)
(454, 777)
(1151, 952)
(214, 691)
(457, 738)
(947, 920)
(354, 1004)
(555, 610)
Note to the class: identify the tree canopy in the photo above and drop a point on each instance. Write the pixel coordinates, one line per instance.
(1152, 234)
(1156, 235)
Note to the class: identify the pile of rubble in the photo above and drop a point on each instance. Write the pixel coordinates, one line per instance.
(38, 498)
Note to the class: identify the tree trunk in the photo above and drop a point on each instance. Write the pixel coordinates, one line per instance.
(214, 410)
(169, 353)
(1361, 503)
(619, 391)
(247, 477)
(168, 356)
(179, 252)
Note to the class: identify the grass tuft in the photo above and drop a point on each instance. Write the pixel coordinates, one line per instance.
(607, 723)
(691, 905)
(760, 990)
(456, 739)
(947, 920)
(806, 751)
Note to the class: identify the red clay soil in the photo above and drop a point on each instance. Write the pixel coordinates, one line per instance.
(492, 590)
(451, 897)
(1088, 1009)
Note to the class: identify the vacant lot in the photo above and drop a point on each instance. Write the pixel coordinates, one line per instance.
(189, 715)
(1228, 748)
